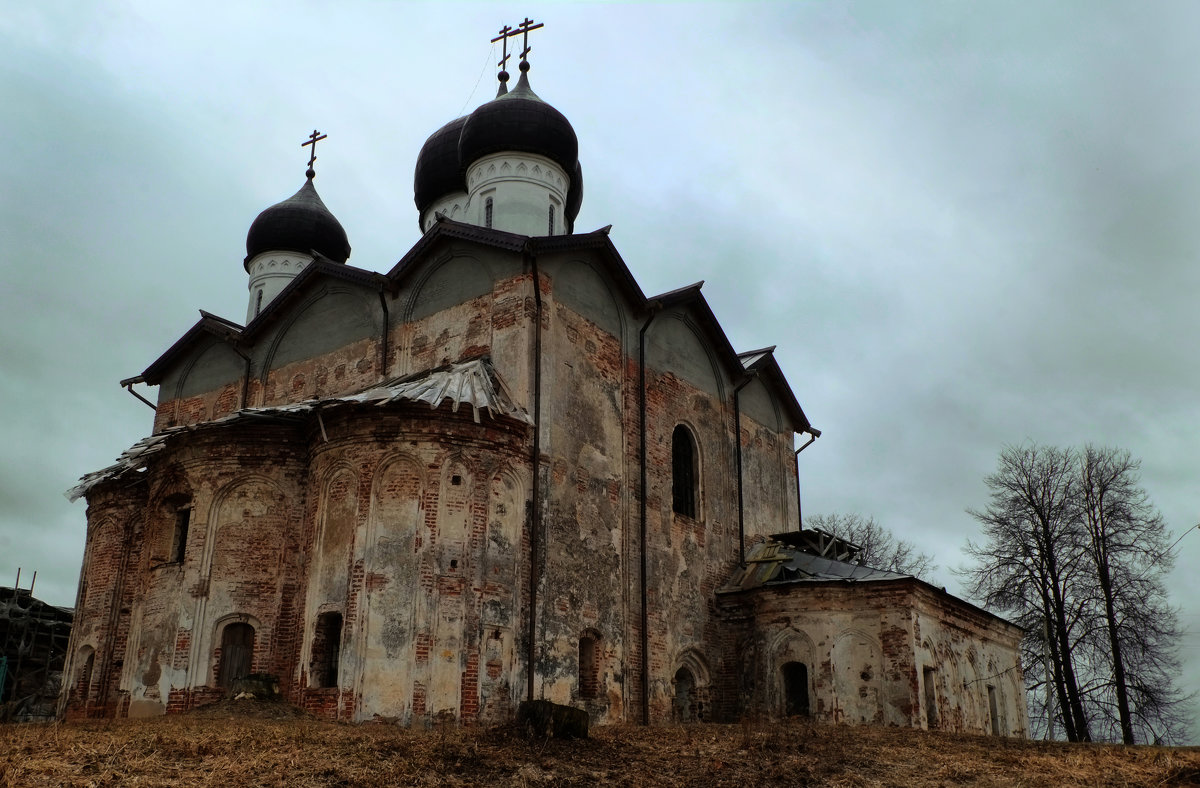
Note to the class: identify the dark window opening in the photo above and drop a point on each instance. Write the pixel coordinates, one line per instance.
(326, 650)
(456, 480)
(683, 472)
(487, 213)
(931, 714)
(551, 221)
(237, 654)
(795, 689)
(258, 302)
(589, 665)
(183, 518)
(993, 707)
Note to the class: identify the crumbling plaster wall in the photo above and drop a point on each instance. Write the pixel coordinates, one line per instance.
(462, 302)
(865, 647)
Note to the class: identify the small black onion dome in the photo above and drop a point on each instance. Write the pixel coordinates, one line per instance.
(519, 121)
(301, 223)
(574, 196)
(438, 170)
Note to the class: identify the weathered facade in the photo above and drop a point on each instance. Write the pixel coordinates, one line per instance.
(498, 471)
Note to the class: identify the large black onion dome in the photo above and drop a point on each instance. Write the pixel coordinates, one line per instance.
(574, 197)
(439, 171)
(301, 223)
(519, 121)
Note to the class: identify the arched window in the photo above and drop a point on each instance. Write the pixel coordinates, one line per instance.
(684, 473)
(487, 212)
(237, 654)
(551, 232)
(589, 664)
(258, 302)
(795, 689)
(326, 650)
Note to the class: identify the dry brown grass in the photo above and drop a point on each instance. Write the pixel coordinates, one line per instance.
(273, 748)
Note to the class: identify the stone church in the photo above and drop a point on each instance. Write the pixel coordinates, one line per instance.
(495, 471)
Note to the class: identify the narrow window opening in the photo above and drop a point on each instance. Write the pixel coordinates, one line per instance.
(258, 302)
(456, 480)
(551, 232)
(931, 714)
(326, 650)
(237, 654)
(683, 472)
(993, 707)
(85, 676)
(487, 213)
(179, 540)
(795, 689)
(454, 563)
(589, 665)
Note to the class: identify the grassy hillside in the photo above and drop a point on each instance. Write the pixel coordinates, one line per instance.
(271, 746)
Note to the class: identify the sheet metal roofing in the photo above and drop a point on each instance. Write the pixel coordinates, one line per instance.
(474, 383)
(773, 563)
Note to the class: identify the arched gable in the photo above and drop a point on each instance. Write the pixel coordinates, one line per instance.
(675, 344)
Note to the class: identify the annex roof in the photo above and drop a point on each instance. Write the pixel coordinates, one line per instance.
(474, 383)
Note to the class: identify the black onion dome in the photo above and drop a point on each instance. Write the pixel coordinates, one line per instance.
(574, 196)
(439, 171)
(519, 121)
(301, 223)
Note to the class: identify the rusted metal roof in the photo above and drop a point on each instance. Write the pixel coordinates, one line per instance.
(773, 563)
(474, 383)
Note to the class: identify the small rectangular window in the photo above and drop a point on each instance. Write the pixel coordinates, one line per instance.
(179, 543)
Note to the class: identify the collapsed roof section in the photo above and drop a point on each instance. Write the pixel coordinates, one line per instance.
(33, 647)
(796, 557)
(474, 383)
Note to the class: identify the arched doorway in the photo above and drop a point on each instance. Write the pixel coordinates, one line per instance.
(237, 654)
(683, 706)
(795, 689)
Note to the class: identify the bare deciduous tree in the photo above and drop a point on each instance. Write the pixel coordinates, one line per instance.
(1074, 552)
(880, 547)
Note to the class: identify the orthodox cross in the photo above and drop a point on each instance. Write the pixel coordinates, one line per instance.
(313, 139)
(504, 34)
(522, 30)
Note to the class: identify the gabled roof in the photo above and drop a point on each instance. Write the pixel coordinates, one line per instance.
(762, 362)
(208, 325)
(320, 268)
(475, 383)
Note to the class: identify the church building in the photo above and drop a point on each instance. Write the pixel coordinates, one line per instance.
(496, 470)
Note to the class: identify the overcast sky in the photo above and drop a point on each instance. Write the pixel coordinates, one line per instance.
(963, 224)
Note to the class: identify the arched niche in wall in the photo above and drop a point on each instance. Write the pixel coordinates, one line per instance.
(691, 683)
(506, 523)
(332, 316)
(397, 593)
(856, 660)
(337, 518)
(585, 290)
(211, 366)
(249, 532)
(675, 344)
(450, 280)
(792, 672)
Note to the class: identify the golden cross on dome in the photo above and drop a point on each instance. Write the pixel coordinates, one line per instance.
(313, 139)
